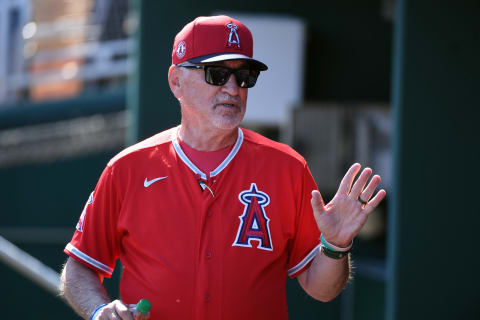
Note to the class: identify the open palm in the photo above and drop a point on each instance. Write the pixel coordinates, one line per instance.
(342, 218)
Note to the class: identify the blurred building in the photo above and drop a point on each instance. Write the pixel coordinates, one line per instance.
(61, 49)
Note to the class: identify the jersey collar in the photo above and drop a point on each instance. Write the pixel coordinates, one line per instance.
(222, 165)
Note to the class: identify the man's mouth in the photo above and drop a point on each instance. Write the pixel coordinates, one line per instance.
(227, 105)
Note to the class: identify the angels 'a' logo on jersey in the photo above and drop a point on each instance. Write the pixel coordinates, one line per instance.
(82, 216)
(254, 221)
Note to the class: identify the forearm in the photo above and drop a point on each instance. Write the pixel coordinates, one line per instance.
(82, 288)
(326, 277)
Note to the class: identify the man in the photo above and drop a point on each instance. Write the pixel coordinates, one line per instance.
(208, 218)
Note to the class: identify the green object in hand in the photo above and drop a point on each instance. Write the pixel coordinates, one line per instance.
(143, 306)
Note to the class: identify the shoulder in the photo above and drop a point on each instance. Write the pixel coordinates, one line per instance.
(258, 143)
(144, 149)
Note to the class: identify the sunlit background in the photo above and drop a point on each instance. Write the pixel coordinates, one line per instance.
(81, 80)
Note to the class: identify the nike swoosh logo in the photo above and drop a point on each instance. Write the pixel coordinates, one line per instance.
(147, 183)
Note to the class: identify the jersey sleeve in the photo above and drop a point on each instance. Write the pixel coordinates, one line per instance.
(95, 242)
(306, 242)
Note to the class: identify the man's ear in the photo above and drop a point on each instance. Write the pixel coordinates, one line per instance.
(174, 81)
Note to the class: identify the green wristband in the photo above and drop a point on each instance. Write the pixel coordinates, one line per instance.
(333, 254)
(331, 247)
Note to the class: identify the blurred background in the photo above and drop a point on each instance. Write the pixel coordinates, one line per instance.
(392, 84)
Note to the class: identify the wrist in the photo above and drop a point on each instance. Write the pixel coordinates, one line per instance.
(333, 247)
(337, 255)
(97, 310)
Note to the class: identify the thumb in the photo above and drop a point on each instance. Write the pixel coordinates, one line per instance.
(318, 205)
(122, 310)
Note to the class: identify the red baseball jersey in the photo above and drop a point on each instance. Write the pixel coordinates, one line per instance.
(196, 245)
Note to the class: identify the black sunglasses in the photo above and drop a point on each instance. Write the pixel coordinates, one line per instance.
(218, 76)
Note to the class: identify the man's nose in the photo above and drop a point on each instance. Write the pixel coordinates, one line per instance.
(231, 87)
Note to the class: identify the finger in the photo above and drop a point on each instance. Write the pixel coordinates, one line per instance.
(107, 313)
(372, 204)
(360, 183)
(318, 205)
(347, 180)
(370, 189)
(145, 316)
(122, 311)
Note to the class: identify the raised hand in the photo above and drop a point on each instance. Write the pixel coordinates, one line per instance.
(343, 217)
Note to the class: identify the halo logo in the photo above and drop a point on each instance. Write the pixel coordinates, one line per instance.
(233, 35)
(254, 221)
(181, 49)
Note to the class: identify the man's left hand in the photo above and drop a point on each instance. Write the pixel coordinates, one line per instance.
(343, 217)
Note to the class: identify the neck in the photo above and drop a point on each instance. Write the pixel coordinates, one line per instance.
(207, 139)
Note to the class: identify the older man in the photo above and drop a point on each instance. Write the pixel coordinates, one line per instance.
(208, 218)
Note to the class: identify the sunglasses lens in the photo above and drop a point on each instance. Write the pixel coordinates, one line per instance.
(218, 76)
(246, 78)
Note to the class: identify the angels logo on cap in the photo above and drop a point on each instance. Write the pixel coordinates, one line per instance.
(233, 35)
(181, 49)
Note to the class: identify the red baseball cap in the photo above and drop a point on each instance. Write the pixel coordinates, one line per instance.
(212, 39)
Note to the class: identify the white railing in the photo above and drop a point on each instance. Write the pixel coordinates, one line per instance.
(29, 266)
(97, 60)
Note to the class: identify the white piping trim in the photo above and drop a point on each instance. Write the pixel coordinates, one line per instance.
(88, 259)
(230, 156)
(305, 261)
(222, 165)
(185, 159)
